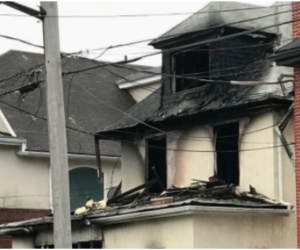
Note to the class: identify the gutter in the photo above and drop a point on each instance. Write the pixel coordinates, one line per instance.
(185, 210)
(23, 152)
(141, 82)
(12, 141)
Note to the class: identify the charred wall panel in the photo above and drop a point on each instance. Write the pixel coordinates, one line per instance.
(240, 58)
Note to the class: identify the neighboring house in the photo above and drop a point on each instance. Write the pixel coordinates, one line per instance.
(25, 189)
(235, 142)
(141, 85)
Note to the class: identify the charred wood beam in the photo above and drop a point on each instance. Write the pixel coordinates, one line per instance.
(131, 191)
(117, 190)
(285, 145)
(286, 118)
(158, 179)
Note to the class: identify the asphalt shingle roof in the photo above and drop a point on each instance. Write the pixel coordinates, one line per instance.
(83, 111)
(216, 14)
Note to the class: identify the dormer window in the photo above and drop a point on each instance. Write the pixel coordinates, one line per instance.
(192, 63)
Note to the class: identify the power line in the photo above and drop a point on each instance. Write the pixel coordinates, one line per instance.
(115, 108)
(203, 151)
(22, 41)
(203, 29)
(184, 47)
(150, 14)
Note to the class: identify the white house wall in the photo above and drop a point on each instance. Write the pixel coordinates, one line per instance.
(141, 92)
(242, 231)
(183, 166)
(25, 180)
(258, 168)
(173, 232)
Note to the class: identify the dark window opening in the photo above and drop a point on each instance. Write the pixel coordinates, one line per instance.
(157, 157)
(227, 155)
(193, 63)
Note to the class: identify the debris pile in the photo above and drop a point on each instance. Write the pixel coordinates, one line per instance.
(212, 189)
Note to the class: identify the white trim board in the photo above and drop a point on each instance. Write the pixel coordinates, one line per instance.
(7, 125)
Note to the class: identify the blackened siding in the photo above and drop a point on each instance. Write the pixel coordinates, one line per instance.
(227, 62)
(240, 58)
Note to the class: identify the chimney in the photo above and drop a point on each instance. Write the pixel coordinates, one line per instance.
(296, 33)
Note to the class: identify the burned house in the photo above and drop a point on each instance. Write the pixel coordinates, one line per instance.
(207, 159)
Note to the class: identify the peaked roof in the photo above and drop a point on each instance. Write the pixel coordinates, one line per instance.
(82, 110)
(230, 14)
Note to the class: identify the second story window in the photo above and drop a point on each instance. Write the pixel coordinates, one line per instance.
(193, 63)
(227, 154)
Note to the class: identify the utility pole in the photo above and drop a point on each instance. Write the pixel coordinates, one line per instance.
(56, 128)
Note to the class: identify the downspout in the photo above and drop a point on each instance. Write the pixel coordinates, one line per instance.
(281, 139)
(280, 179)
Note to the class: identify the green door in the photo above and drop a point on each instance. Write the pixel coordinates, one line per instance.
(84, 183)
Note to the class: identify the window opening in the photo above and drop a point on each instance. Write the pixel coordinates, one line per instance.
(193, 63)
(156, 157)
(227, 155)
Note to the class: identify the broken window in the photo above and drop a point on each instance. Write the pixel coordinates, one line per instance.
(193, 63)
(227, 155)
(156, 158)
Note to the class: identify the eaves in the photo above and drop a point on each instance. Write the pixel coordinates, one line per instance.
(187, 210)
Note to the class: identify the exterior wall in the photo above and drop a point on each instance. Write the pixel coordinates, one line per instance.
(202, 231)
(173, 232)
(5, 241)
(23, 242)
(141, 92)
(133, 166)
(257, 167)
(242, 231)
(25, 180)
(184, 166)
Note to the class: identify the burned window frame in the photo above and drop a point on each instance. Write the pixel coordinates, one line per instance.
(236, 138)
(175, 81)
(158, 136)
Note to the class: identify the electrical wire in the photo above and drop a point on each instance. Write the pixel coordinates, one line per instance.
(203, 29)
(150, 14)
(184, 47)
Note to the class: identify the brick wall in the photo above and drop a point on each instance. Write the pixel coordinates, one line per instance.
(296, 33)
(14, 214)
(5, 241)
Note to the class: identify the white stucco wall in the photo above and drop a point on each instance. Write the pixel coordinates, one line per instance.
(173, 232)
(183, 166)
(258, 167)
(203, 231)
(25, 180)
(141, 92)
(258, 158)
(133, 165)
(23, 242)
(242, 231)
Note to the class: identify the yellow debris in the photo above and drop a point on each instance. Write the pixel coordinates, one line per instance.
(100, 204)
(89, 203)
(81, 210)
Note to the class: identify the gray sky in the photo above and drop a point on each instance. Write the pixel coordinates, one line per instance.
(78, 34)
